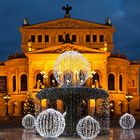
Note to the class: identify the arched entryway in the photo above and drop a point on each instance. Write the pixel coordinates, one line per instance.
(61, 106)
(96, 79)
(51, 79)
(83, 108)
(22, 108)
(14, 108)
(39, 80)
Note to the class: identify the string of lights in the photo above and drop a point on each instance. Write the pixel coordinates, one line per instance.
(127, 121)
(50, 123)
(71, 69)
(28, 121)
(88, 128)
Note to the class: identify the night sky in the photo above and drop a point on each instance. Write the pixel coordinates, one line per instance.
(125, 16)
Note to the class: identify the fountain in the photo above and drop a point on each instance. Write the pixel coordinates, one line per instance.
(71, 70)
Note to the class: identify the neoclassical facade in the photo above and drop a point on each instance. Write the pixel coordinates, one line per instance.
(42, 43)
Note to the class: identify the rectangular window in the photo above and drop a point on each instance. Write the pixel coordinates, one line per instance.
(101, 38)
(39, 38)
(74, 38)
(60, 38)
(87, 38)
(46, 38)
(3, 84)
(94, 38)
(33, 38)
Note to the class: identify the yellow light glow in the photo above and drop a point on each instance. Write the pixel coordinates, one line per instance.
(60, 105)
(105, 46)
(29, 49)
(44, 103)
(105, 49)
(92, 103)
(29, 43)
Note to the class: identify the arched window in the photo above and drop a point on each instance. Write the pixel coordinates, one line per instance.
(53, 81)
(23, 82)
(120, 82)
(111, 82)
(39, 81)
(14, 83)
(96, 80)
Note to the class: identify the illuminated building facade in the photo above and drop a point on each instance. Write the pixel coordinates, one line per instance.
(42, 43)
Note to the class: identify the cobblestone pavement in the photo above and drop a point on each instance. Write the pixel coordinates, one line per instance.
(22, 134)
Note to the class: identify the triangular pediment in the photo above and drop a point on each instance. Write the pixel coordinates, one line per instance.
(66, 47)
(66, 23)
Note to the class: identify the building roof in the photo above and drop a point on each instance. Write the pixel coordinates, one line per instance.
(2, 63)
(123, 56)
(67, 47)
(68, 23)
(135, 62)
(71, 19)
(15, 56)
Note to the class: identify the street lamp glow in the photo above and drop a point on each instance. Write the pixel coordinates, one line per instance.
(129, 96)
(6, 97)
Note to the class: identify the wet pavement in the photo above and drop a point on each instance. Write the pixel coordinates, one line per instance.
(22, 134)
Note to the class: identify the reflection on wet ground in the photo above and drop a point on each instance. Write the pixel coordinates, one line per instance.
(22, 134)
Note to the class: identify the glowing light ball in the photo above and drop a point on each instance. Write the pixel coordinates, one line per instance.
(127, 121)
(50, 123)
(28, 121)
(88, 128)
(71, 69)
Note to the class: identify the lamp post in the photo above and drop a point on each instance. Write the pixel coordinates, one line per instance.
(129, 96)
(6, 99)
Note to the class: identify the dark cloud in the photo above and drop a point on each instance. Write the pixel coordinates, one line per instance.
(124, 14)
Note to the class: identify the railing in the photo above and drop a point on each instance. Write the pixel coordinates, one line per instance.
(16, 56)
(135, 62)
(119, 56)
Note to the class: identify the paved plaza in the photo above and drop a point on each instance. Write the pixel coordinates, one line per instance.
(22, 134)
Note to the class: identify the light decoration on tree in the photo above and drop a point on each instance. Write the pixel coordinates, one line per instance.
(50, 123)
(71, 69)
(28, 121)
(29, 106)
(127, 121)
(88, 128)
(102, 115)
